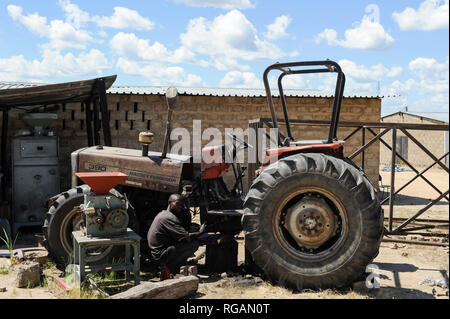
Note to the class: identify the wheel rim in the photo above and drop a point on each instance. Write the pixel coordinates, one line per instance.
(311, 224)
(73, 221)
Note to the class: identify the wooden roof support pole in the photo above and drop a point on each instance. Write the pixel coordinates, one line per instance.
(104, 110)
(87, 109)
(4, 150)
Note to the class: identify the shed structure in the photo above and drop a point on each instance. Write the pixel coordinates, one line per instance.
(435, 141)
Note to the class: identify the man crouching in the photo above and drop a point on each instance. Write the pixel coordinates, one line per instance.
(169, 239)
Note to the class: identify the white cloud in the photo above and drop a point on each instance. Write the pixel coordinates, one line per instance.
(124, 18)
(236, 79)
(102, 33)
(33, 22)
(227, 39)
(373, 73)
(301, 81)
(429, 68)
(222, 4)
(74, 15)
(419, 87)
(62, 35)
(427, 88)
(158, 74)
(130, 47)
(53, 65)
(431, 15)
(183, 54)
(369, 34)
(153, 61)
(362, 79)
(277, 29)
(352, 86)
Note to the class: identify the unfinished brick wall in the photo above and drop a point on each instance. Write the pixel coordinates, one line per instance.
(131, 114)
(434, 141)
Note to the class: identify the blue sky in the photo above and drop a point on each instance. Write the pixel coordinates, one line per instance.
(392, 48)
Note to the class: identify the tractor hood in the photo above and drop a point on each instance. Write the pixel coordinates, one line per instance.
(148, 172)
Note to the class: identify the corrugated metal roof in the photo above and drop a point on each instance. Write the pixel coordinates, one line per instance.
(15, 85)
(203, 91)
(26, 94)
(436, 116)
(239, 92)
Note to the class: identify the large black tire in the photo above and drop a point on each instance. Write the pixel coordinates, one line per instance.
(61, 220)
(350, 196)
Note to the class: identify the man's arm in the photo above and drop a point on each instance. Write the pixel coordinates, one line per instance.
(193, 236)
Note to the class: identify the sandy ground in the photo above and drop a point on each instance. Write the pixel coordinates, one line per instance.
(401, 266)
(418, 194)
(7, 281)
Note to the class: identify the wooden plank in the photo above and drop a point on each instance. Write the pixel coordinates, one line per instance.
(167, 289)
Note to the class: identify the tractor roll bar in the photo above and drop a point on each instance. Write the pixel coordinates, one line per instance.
(331, 66)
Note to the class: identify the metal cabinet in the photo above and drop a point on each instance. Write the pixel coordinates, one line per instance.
(35, 178)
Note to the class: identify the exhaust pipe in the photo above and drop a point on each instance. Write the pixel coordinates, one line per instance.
(172, 100)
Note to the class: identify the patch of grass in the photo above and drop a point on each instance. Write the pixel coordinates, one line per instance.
(340, 294)
(13, 292)
(48, 269)
(106, 276)
(10, 244)
(84, 293)
(4, 270)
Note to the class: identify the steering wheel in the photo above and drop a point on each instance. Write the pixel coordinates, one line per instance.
(240, 141)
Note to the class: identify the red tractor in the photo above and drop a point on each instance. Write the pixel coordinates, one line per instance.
(311, 218)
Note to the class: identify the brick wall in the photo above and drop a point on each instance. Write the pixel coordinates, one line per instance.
(130, 114)
(434, 141)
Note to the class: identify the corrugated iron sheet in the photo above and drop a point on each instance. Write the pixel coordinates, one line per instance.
(27, 94)
(201, 91)
(15, 85)
(239, 92)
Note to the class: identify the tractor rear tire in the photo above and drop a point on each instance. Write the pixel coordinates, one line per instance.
(61, 219)
(312, 178)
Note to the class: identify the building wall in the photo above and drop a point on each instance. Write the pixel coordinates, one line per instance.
(434, 141)
(130, 114)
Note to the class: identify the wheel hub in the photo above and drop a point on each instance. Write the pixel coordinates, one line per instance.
(310, 222)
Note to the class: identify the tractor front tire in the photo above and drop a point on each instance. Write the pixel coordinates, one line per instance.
(333, 211)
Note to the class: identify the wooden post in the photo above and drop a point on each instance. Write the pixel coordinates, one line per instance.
(96, 123)
(4, 148)
(87, 109)
(167, 289)
(104, 111)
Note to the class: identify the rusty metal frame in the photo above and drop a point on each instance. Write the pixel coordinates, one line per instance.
(304, 67)
(366, 143)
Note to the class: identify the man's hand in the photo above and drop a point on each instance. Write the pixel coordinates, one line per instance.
(198, 233)
(202, 228)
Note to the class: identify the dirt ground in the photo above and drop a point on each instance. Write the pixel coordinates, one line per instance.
(418, 194)
(402, 267)
(8, 275)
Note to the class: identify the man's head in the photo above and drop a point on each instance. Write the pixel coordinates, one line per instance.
(175, 203)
